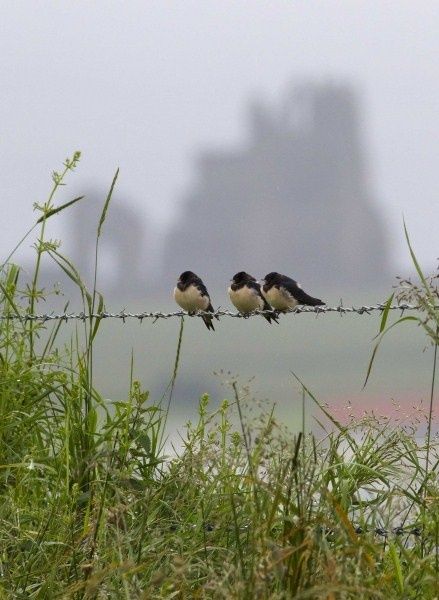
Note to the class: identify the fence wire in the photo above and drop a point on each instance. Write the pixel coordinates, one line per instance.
(124, 315)
(385, 532)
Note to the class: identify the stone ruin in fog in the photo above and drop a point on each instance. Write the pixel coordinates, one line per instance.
(294, 198)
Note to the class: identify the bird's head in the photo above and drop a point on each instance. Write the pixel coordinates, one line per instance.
(187, 276)
(242, 277)
(270, 278)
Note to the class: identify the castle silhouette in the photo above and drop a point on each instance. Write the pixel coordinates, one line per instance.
(293, 199)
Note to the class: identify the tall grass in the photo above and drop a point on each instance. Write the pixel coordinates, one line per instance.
(91, 508)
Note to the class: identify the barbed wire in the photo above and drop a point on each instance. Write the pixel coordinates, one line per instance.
(413, 529)
(123, 315)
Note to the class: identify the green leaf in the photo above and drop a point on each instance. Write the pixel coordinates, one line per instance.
(145, 441)
(12, 276)
(54, 211)
(69, 269)
(92, 419)
(107, 202)
(98, 319)
(382, 334)
(386, 312)
(417, 266)
(9, 299)
(397, 565)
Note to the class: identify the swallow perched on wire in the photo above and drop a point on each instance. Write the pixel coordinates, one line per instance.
(191, 294)
(284, 293)
(245, 294)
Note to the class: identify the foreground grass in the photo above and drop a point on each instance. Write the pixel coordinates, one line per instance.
(91, 508)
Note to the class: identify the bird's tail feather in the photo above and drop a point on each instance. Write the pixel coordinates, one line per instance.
(310, 301)
(208, 322)
(211, 309)
(271, 317)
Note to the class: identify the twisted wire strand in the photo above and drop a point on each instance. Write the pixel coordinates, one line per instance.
(123, 315)
(413, 529)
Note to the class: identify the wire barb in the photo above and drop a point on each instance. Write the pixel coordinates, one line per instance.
(123, 316)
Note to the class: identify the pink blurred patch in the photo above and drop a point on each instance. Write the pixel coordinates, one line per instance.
(409, 408)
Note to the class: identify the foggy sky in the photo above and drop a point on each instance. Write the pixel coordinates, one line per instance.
(146, 85)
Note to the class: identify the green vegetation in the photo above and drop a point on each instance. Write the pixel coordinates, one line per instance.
(91, 508)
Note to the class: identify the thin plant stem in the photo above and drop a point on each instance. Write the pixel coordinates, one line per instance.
(427, 456)
(57, 182)
(171, 385)
(430, 410)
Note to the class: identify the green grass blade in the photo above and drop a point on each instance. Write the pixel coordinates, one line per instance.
(69, 269)
(417, 266)
(54, 211)
(327, 414)
(107, 202)
(9, 299)
(386, 313)
(377, 345)
(397, 566)
(99, 310)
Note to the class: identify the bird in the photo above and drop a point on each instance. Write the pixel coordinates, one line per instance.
(245, 294)
(191, 294)
(284, 293)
